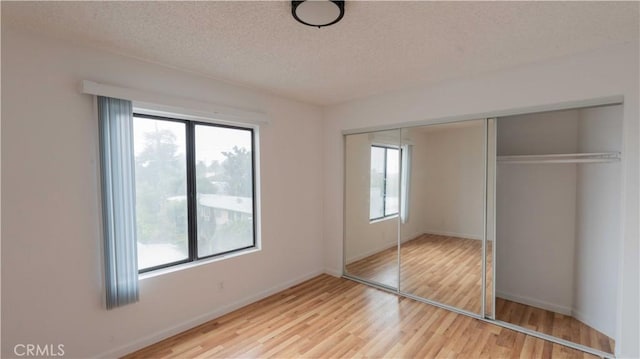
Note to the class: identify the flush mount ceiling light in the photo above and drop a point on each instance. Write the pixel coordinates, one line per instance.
(318, 13)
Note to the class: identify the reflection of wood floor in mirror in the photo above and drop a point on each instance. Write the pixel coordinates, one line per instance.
(381, 267)
(558, 325)
(440, 268)
(444, 269)
(328, 317)
(432, 267)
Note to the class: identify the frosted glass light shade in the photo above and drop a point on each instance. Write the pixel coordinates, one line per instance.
(317, 13)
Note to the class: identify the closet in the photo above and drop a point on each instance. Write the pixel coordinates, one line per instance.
(511, 219)
(558, 204)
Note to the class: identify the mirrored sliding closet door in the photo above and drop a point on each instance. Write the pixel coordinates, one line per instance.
(442, 213)
(490, 222)
(372, 191)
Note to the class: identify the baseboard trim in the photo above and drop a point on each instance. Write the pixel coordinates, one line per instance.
(333, 272)
(194, 322)
(586, 320)
(576, 314)
(454, 234)
(535, 303)
(410, 238)
(372, 252)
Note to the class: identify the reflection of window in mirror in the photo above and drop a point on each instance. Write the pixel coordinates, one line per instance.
(384, 182)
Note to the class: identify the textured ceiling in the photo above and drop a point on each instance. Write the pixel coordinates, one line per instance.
(377, 47)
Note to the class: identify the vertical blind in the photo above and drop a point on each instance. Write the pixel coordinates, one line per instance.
(118, 200)
(405, 187)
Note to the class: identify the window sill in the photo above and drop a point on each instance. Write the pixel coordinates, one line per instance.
(383, 219)
(197, 263)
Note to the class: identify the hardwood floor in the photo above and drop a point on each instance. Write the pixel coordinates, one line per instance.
(328, 317)
(447, 270)
(441, 268)
(381, 267)
(558, 325)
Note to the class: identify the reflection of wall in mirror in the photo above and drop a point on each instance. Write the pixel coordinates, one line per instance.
(363, 237)
(446, 187)
(450, 167)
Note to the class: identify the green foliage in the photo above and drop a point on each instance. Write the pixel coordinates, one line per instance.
(236, 172)
(203, 183)
(160, 190)
(161, 205)
(236, 178)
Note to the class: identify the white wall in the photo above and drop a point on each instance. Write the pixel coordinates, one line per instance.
(536, 211)
(598, 220)
(454, 182)
(417, 195)
(606, 72)
(446, 194)
(363, 237)
(51, 272)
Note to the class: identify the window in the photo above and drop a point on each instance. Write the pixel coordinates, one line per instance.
(385, 176)
(195, 190)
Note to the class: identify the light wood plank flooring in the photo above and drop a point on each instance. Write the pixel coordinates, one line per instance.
(328, 317)
(558, 325)
(447, 270)
(381, 267)
(441, 268)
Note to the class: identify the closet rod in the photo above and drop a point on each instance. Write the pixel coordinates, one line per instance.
(598, 157)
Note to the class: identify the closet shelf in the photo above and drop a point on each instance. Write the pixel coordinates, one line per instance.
(596, 157)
